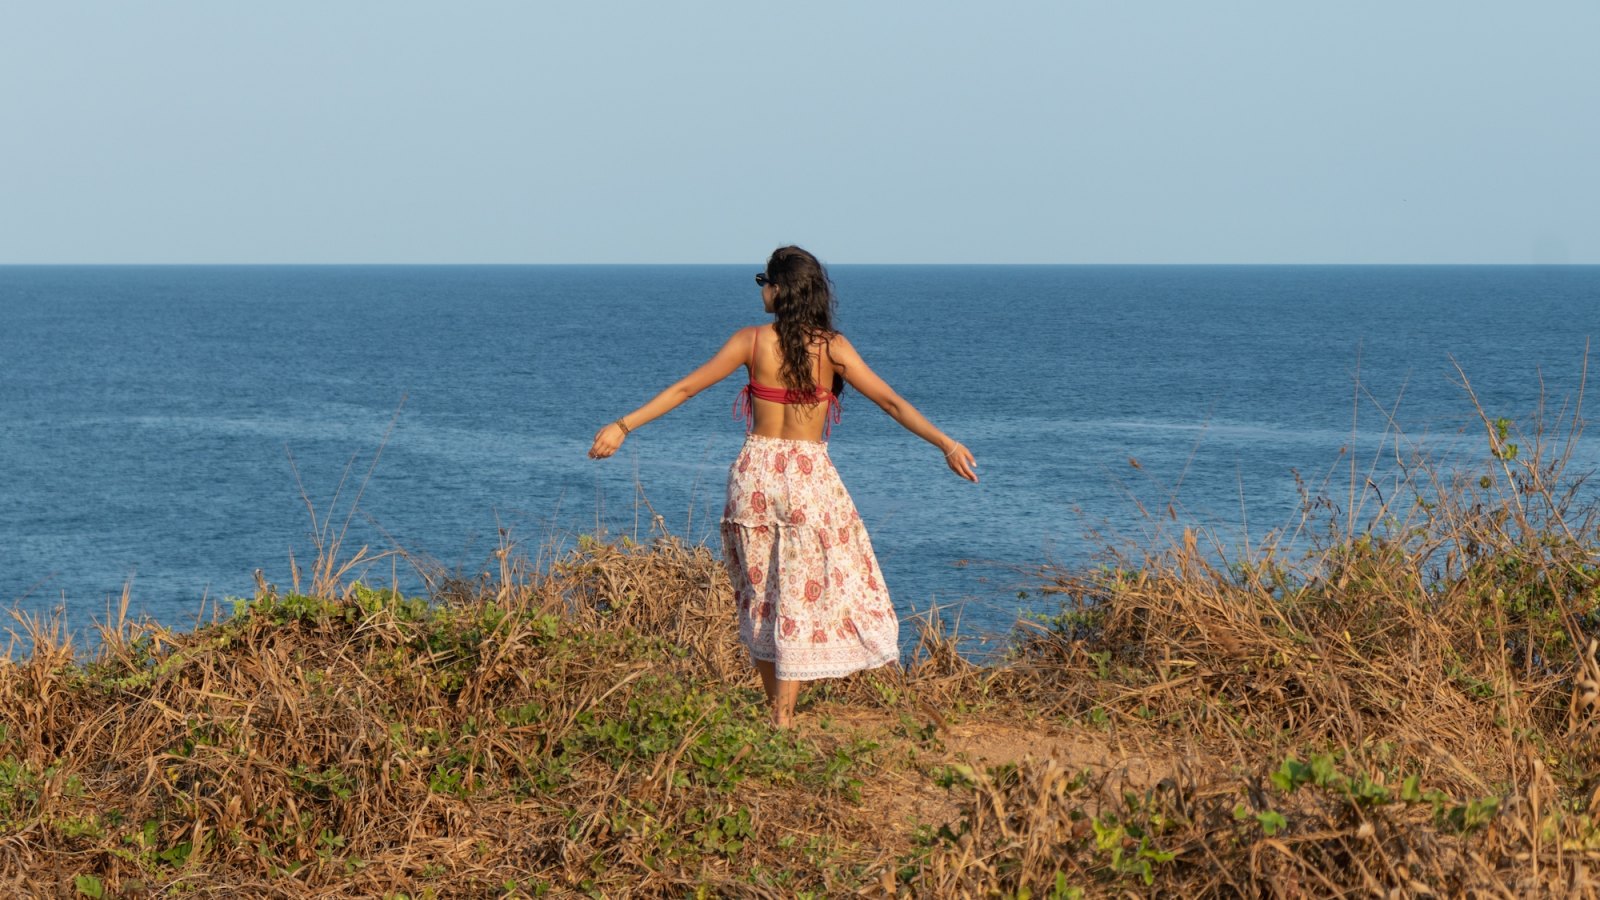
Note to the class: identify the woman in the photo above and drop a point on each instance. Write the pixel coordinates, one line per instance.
(811, 602)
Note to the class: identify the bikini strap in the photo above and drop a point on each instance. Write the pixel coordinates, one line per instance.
(743, 408)
(825, 365)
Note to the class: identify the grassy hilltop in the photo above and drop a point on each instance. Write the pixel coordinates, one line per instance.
(1407, 709)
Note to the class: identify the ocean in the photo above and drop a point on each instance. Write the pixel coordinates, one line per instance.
(164, 427)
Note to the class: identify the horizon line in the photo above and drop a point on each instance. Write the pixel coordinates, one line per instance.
(41, 265)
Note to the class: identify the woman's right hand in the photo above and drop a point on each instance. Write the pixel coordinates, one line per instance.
(961, 461)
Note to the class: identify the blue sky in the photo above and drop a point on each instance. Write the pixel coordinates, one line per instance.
(599, 132)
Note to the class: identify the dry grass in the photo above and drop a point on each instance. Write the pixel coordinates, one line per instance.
(1408, 708)
(1404, 707)
(589, 728)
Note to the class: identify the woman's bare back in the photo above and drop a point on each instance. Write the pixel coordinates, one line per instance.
(790, 421)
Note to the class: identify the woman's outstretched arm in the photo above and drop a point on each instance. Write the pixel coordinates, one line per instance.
(720, 366)
(847, 362)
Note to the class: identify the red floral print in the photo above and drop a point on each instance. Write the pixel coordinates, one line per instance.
(809, 600)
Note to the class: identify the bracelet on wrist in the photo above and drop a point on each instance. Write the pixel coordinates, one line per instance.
(624, 426)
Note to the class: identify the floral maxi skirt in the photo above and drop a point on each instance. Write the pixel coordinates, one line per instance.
(804, 576)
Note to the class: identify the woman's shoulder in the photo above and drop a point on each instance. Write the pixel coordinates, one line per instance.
(749, 337)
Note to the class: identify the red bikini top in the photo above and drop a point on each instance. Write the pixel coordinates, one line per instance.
(745, 409)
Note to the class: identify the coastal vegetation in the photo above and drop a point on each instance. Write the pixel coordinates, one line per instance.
(1395, 696)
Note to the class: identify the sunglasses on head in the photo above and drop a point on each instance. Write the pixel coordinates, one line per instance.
(763, 280)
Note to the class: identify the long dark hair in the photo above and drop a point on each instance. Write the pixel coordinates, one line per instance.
(804, 309)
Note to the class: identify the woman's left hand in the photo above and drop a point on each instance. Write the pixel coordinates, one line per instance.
(606, 441)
